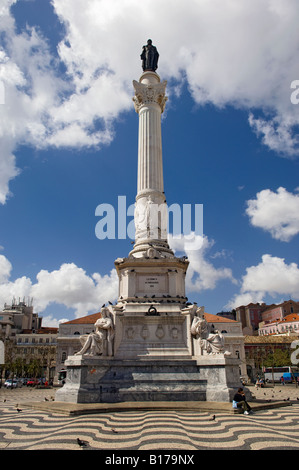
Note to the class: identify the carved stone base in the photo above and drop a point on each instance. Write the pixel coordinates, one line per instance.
(104, 380)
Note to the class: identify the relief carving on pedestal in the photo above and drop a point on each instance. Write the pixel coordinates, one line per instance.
(150, 218)
(160, 332)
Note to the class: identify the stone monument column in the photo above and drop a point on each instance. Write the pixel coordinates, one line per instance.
(151, 270)
(151, 209)
(152, 345)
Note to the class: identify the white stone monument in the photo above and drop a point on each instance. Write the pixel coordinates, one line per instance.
(151, 345)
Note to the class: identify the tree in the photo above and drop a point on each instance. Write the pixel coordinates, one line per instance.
(34, 368)
(278, 358)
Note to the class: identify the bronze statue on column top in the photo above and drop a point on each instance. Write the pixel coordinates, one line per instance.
(149, 57)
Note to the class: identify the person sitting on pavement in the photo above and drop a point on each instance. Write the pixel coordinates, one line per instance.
(239, 401)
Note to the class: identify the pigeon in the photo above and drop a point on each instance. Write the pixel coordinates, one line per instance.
(114, 430)
(18, 410)
(110, 303)
(213, 418)
(81, 443)
(46, 399)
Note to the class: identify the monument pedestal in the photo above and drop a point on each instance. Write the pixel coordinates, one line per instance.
(111, 380)
(155, 357)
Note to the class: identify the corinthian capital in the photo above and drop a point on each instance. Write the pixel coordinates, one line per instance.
(146, 94)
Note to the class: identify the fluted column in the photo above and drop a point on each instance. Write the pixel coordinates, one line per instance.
(151, 210)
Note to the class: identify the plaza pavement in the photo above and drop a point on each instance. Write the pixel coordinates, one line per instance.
(30, 421)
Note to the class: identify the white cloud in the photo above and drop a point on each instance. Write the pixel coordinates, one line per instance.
(227, 51)
(275, 212)
(273, 277)
(69, 285)
(245, 299)
(72, 287)
(278, 133)
(201, 273)
(50, 321)
(5, 268)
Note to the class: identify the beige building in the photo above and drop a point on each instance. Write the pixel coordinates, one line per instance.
(68, 342)
(24, 342)
(17, 317)
(38, 346)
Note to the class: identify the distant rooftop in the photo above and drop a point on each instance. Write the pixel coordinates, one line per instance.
(91, 319)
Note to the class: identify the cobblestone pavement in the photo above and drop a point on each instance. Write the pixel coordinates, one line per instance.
(27, 429)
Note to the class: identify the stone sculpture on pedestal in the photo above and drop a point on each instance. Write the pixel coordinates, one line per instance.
(211, 341)
(101, 341)
(151, 345)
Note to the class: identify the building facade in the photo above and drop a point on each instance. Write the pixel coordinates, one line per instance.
(287, 325)
(252, 315)
(68, 339)
(38, 347)
(278, 312)
(17, 317)
(26, 346)
(258, 350)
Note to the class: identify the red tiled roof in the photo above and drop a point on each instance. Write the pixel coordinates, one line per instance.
(290, 317)
(91, 319)
(84, 320)
(217, 318)
(42, 330)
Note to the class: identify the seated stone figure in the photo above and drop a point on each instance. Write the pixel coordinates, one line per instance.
(211, 341)
(94, 343)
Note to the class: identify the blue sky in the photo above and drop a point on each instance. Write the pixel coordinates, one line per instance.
(69, 139)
